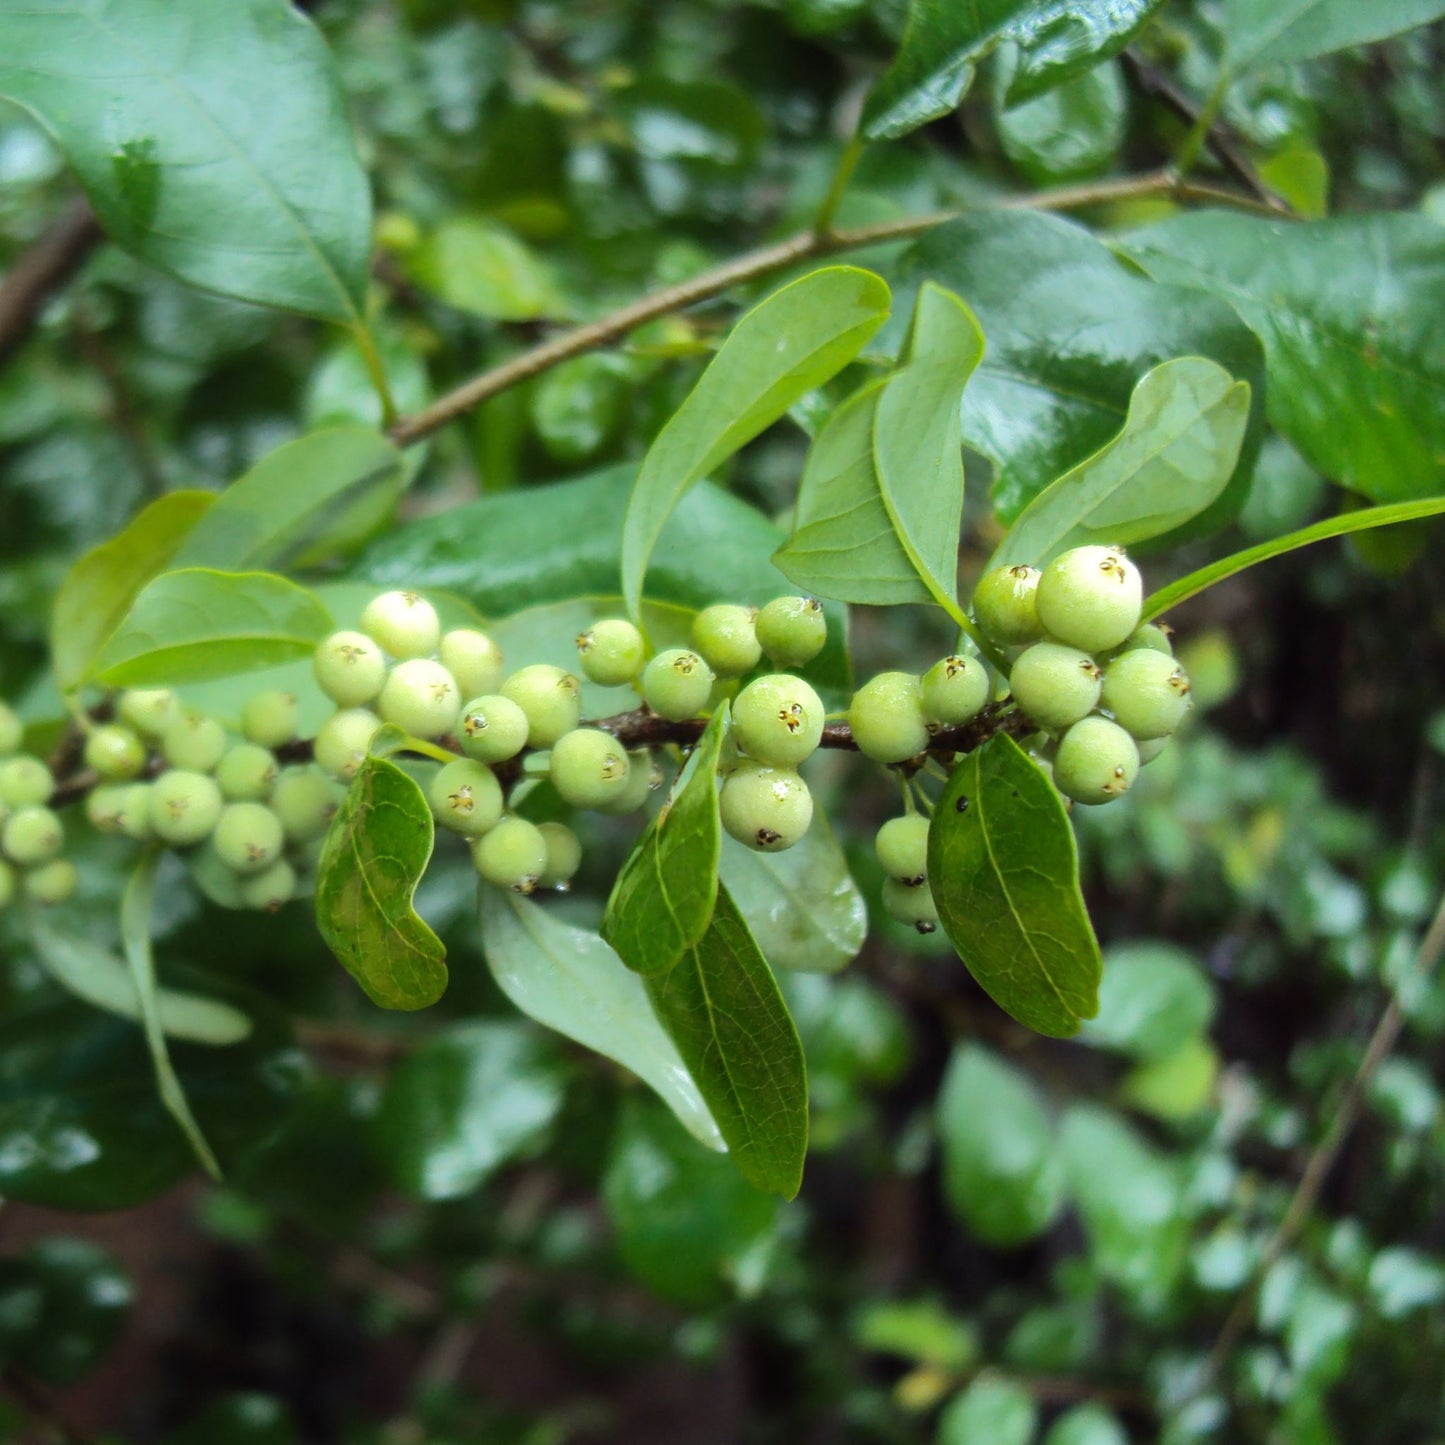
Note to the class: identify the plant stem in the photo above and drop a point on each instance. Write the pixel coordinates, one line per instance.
(371, 359)
(848, 162)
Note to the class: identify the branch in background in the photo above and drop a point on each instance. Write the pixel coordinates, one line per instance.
(43, 270)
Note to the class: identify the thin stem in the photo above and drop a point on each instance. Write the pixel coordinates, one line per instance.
(847, 164)
(376, 370)
(1199, 132)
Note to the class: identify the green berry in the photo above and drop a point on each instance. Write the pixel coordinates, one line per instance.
(194, 743)
(1096, 761)
(135, 812)
(52, 883)
(466, 797)
(886, 716)
(421, 698)
(564, 855)
(725, 636)
(185, 807)
(902, 848)
(1005, 605)
(343, 742)
(350, 668)
(25, 781)
(247, 773)
(643, 775)
(1147, 691)
(492, 729)
(550, 698)
(676, 684)
(7, 886)
(271, 719)
(31, 835)
(1150, 748)
(150, 711)
(1055, 685)
(512, 855)
(404, 624)
(1154, 636)
(116, 753)
(768, 809)
(589, 768)
(248, 837)
(12, 730)
(1090, 598)
(305, 800)
(954, 690)
(611, 651)
(473, 659)
(792, 630)
(270, 890)
(911, 903)
(103, 807)
(778, 719)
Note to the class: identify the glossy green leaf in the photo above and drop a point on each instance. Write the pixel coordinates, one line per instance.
(472, 1099)
(801, 905)
(571, 981)
(779, 351)
(989, 1412)
(376, 850)
(723, 1010)
(1271, 32)
(1001, 1171)
(99, 590)
(1069, 133)
(1152, 998)
(1086, 1425)
(195, 624)
(1173, 458)
(212, 140)
(304, 503)
(1346, 310)
(1005, 874)
(477, 265)
(663, 898)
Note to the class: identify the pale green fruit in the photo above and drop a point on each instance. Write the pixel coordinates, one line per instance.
(24, 782)
(305, 800)
(643, 775)
(473, 659)
(248, 837)
(135, 812)
(184, 807)
(912, 904)
(341, 745)
(270, 890)
(1147, 692)
(116, 753)
(32, 835)
(420, 697)
(404, 624)
(589, 768)
(792, 630)
(150, 711)
(466, 797)
(768, 809)
(492, 729)
(51, 883)
(271, 719)
(1090, 598)
(1150, 749)
(511, 855)
(12, 730)
(350, 669)
(194, 743)
(1055, 685)
(1154, 636)
(103, 807)
(954, 690)
(611, 651)
(725, 636)
(778, 719)
(550, 698)
(1005, 605)
(886, 717)
(247, 773)
(902, 848)
(1096, 761)
(676, 684)
(564, 856)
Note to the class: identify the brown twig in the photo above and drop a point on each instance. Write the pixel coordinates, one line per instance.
(43, 270)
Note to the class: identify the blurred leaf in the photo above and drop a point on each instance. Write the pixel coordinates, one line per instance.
(1152, 998)
(240, 1418)
(1271, 32)
(989, 1412)
(479, 266)
(1086, 1425)
(1318, 1331)
(1005, 875)
(579, 407)
(187, 166)
(919, 1330)
(1301, 175)
(1002, 1175)
(341, 389)
(1403, 1280)
(1175, 1085)
(699, 122)
(1070, 132)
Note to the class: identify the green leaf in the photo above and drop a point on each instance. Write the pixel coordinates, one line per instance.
(1176, 1085)
(1174, 457)
(782, 349)
(1071, 330)
(1005, 875)
(662, 901)
(1086, 1425)
(571, 981)
(918, 1330)
(135, 931)
(722, 1007)
(1272, 32)
(195, 624)
(801, 906)
(989, 1412)
(1153, 997)
(304, 503)
(1069, 133)
(1001, 1171)
(376, 850)
(99, 590)
(472, 1099)
(1052, 41)
(1346, 311)
(242, 1417)
(212, 141)
(479, 266)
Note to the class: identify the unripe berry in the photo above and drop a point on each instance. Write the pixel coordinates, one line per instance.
(677, 684)
(1055, 685)
(103, 807)
(589, 768)
(1147, 691)
(1005, 605)
(902, 848)
(404, 624)
(564, 855)
(420, 697)
(911, 904)
(31, 835)
(954, 690)
(305, 800)
(116, 753)
(1150, 748)
(150, 711)
(1152, 635)
(185, 807)
(7, 886)
(12, 730)
(247, 837)
(473, 659)
(24, 782)
(135, 812)
(725, 636)
(768, 809)
(194, 743)
(247, 773)
(550, 698)
(271, 719)
(611, 651)
(511, 855)
(1096, 761)
(643, 775)
(466, 797)
(270, 890)
(1090, 598)
(792, 630)
(341, 745)
(886, 716)
(350, 668)
(778, 719)
(492, 729)
(52, 883)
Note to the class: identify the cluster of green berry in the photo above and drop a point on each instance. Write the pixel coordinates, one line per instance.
(31, 836)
